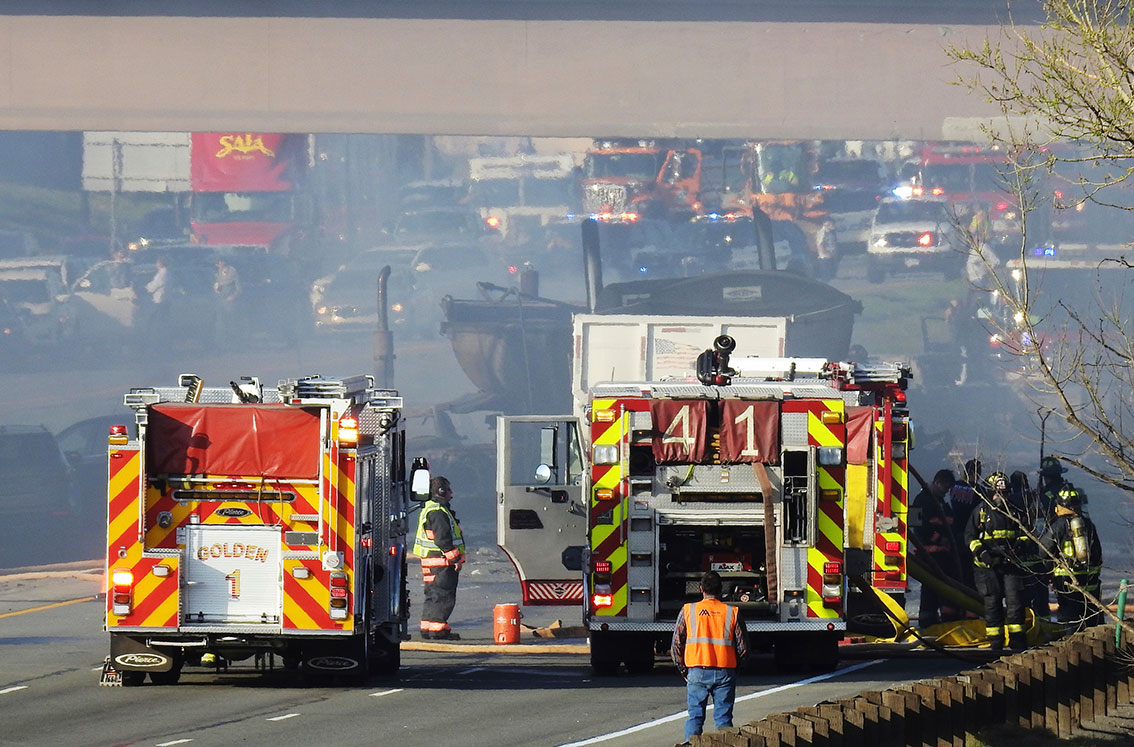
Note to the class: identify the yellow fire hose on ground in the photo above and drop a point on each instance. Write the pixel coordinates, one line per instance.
(955, 633)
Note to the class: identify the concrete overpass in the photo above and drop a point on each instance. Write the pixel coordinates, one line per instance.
(724, 68)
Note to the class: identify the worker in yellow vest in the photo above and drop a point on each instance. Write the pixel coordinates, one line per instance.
(441, 549)
(709, 644)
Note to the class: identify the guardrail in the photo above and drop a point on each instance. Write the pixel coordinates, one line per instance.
(1057, 686)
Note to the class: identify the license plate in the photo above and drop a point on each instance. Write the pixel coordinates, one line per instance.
(913, 262)
(726, 566)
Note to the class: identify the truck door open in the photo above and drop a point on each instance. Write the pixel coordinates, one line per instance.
(540, 514)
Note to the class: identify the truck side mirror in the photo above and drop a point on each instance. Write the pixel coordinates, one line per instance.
(419, 479)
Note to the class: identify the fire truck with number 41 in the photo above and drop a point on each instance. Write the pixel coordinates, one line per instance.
(246, 522)
(785, 475)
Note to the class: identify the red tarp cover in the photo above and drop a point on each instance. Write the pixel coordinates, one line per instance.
(680, 427)
(860, 422)
(750, 432)
(272, 441)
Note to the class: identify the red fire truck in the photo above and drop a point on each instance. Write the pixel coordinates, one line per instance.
(248, 522)
(786, 475)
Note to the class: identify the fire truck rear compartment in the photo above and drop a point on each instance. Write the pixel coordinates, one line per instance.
(735, 552)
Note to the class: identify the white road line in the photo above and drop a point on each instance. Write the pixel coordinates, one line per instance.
(96, 669)
(17, 687)
(285, 716)
(682, 715)
(386, 692)
(470, 671)
(175, 741)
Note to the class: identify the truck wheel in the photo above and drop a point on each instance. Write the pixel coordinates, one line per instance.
(604, 656)
(133, 679)
(874, 272)
(386, 656)
(166, 678)
(639, 652)
(823, 653)
(788, 655)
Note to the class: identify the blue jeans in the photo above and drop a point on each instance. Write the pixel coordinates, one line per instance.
(702, 683)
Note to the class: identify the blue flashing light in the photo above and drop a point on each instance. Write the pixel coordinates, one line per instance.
(1044, 251)
(643, 269)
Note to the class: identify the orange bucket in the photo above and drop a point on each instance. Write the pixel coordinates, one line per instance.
(506, 623)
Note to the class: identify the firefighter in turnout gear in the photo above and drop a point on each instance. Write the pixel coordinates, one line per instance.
(1072, 539)
(1050, 483)
(934, 532)
(441, 549)
(709, 643)
(996, 542)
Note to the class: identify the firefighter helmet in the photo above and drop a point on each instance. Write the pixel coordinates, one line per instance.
(1070, 497)
(997, 482)
(1050, 467)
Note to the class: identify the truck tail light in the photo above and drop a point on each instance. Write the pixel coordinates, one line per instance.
(122, 586)
(602, 600)
(348, 430)
(602, 566)
(118, 435)
(892, 546)
(338, 600)
(832, 583)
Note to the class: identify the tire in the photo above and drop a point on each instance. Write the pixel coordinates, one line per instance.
(639, 654)
(385, 657)
(823, 653)
(788, 654)
(132, 678)
(172, 676)
(874, 272)
(604, 656)
(165, 678)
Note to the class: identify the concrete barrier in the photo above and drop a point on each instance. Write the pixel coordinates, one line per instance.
(1080, 678)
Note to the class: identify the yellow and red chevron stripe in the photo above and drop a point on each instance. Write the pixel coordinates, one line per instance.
(154, 599)
(607, 516)
(305, 601)
(829, 515)
(892, 501)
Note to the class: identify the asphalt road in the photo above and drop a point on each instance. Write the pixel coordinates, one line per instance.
(52, 646)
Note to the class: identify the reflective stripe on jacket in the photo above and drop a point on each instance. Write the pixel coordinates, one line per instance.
(711, 634)
(426, 544)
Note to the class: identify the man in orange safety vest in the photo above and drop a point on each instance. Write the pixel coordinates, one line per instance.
(709, 644)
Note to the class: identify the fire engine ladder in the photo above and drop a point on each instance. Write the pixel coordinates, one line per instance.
(790, 369)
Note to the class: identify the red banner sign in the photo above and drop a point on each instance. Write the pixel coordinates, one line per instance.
(680, 428)
(242, 161)
(750, 432)
(860, 421)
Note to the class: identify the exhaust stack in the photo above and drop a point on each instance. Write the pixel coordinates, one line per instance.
(592, 263)
(765, 246)
(383, 338)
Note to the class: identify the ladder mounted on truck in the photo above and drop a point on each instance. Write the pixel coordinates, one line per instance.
(717, 367)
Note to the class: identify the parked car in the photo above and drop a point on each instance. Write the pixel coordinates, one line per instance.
(36, 289)
(914, 235)
(39, 505)
(84, 447)
(16, 243)
(346, 300)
